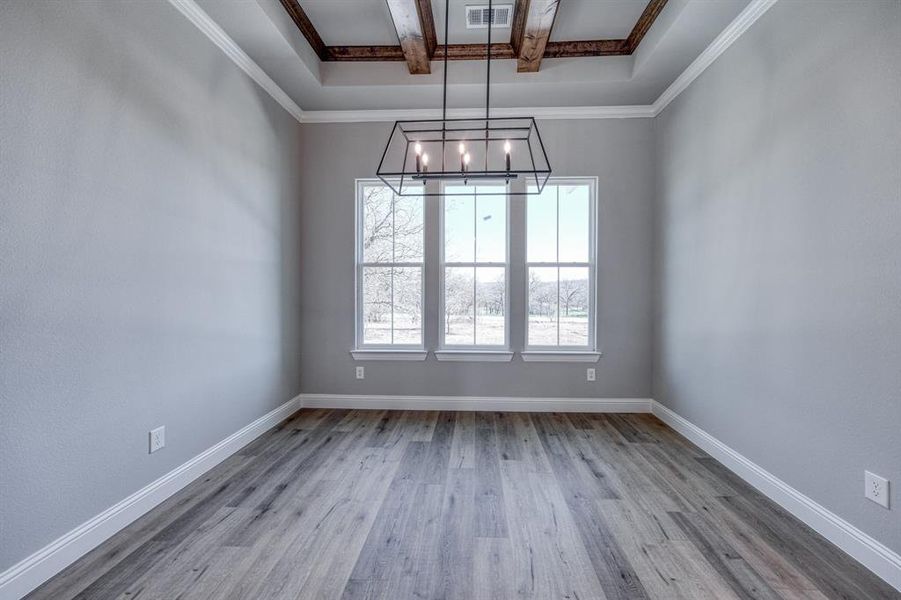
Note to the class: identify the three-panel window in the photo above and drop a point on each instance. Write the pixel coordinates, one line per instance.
(474, 266)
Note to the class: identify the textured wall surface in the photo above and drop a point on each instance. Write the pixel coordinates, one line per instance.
(618, 152)
(148, 256)
(779, 252)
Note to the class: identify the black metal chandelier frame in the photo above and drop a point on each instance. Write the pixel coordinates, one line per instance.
(480, 132)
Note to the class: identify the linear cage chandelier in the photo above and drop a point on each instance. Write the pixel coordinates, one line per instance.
(472, 150)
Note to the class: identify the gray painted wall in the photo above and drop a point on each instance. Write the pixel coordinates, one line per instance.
(779, 252)
(148, 256)
(618, 152)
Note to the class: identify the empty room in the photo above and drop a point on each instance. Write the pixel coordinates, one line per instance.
(450, 299)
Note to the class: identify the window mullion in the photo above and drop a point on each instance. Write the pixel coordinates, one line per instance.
(475, 258)
(558, 263)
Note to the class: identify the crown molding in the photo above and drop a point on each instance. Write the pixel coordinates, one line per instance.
(217, 35)
(539, 112)
(726, 38)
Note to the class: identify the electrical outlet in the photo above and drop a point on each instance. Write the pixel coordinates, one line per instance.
(589, 374)
(877, 488)
(361, 372)
(157, 439)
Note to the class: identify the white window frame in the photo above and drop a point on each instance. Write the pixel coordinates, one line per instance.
(591, 347)
(359, 344)
(442, 266)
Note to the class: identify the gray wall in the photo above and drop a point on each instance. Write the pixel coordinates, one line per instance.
(779, 252)
(618, 152)
(148, 256)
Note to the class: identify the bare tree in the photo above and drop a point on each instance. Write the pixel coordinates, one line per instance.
(458, 298)
(572, 295)
(392, 232)
(542, 296)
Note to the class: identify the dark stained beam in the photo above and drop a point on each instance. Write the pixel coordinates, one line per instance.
(475, 52)
(412, 19)
(306, 28)
(499, 51)
(644, 23)
(513, 50)
(366, 53)
(518, 26)
(428, 26)
(586, 48)
(536, 32)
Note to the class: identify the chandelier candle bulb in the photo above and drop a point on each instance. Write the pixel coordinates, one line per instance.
(418, 149)
(425, 163)
(507, 149)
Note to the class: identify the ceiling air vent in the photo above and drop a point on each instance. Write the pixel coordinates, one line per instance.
(477, 16)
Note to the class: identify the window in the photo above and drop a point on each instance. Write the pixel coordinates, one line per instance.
(474, 266)
(389, 268)
(560, 251)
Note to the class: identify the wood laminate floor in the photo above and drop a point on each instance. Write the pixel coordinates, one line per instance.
(395, 505)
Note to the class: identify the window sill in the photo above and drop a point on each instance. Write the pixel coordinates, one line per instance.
(563, 356)
(407, 355)
(474, 355)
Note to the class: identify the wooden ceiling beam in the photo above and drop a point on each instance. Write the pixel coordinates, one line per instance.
(533, 33)
(415, 28)
(644, 23)
(306, 28)
(514, 50)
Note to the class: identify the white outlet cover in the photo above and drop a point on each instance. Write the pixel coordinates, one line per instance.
(361, 372)
(157, 438)
(590, 374)
(876, 488)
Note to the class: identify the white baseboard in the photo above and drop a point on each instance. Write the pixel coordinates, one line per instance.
(477, 403)
(871, 553)
(31, 572)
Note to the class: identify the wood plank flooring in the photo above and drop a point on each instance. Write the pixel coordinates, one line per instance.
(392, 505)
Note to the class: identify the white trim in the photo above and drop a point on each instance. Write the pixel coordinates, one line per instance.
(478, 403)
(409, 355)
(217, 35)
(34, 570)
(474, 355)
(720, 44)
(579, 357)
(874, 555)
(539, 112)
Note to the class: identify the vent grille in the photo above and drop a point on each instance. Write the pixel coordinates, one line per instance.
(477, 16)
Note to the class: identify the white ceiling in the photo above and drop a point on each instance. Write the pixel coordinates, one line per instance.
(263, 29)
(596, 19)
(351, 22)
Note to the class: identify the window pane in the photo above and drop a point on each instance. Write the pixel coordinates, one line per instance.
(491, 292)
(574, 306)
(408, 305)
(376, 305)
(458, 306)
(542, 306)
(376, 224)
(541, 226)
(491, 227)
(458, 226)
(408, 228)
(575, 223)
